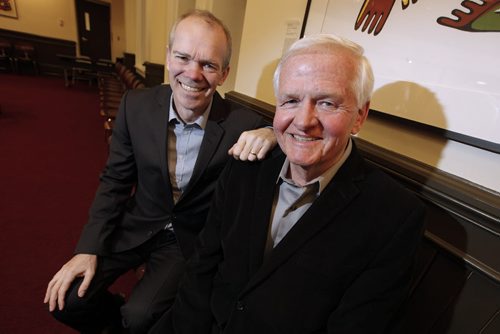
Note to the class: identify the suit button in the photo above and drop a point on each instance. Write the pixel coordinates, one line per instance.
(240, 306)
(150, 233)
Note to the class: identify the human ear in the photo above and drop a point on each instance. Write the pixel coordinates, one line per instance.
(361, 116)
(225, 73)
(168, 59)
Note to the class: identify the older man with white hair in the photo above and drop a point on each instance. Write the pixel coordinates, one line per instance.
(312, 239)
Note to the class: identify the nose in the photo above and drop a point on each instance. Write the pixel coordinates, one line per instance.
(194, 70)
(305, 116)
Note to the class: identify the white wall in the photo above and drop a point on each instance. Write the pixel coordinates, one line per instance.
(263, 38)
(130, 26)
(147, 27)
(232, 13)
(475, 165)
(48, 18)
(118, 34)
(156, 27)
(57, 19)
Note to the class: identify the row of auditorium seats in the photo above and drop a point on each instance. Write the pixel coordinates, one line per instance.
(81, 67)
(19, 57)
(111, 89)
(112, 86)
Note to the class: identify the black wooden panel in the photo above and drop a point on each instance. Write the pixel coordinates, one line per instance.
(432, 296)
(476, 304)
(445, 225)
(129, 60)
(154, 74)
(493, 327)
(426, 255)
(471, 240)
(46, 49)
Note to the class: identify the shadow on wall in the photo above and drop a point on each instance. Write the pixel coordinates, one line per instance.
(411, 101)
(404, 106)
(265, 91)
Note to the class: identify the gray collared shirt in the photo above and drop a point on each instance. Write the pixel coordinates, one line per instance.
(184, 142)
(291, 201)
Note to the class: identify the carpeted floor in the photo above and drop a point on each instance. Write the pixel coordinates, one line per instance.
(51, 152)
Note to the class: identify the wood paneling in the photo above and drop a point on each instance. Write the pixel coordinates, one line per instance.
(46, 49)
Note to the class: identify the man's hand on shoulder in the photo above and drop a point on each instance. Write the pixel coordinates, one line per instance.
(81, 265)
(253, 145)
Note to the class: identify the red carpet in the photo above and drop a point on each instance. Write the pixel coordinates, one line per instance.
(51, 152)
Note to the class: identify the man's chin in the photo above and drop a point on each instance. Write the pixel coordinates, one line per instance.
(195, 106)
(302, 161)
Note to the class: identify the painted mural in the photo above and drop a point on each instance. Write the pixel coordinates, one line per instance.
(435, 61)
(470, 16)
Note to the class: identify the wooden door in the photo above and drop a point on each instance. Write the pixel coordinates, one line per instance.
(94, 33)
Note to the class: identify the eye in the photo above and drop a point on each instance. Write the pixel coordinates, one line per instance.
(182, 58)
(210, 67)
(329, 106)
(289, 103)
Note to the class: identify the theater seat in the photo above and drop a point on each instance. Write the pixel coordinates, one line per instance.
(6, 60)
(25, 54)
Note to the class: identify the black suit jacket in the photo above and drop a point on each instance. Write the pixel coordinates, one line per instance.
(134, 199)
(344, 267)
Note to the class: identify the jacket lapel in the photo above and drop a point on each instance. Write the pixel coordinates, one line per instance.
(334, 199)
(262, 205)
(211, 139)
(159, 124)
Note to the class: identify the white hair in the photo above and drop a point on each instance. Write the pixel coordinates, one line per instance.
(329, 43)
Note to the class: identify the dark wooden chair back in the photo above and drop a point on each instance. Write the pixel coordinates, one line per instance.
(25, 53)
(6, 60)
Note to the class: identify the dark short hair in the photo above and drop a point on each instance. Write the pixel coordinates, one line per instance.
(212, 20)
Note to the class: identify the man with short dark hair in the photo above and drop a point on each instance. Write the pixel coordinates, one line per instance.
(169, 146)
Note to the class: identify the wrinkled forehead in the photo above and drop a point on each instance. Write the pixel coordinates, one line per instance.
(328, 60)
(200, 28)
(316, 74)
(325, 50)
(198, 32)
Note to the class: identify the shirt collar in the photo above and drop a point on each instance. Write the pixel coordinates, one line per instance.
(200, 121)
(323, 179)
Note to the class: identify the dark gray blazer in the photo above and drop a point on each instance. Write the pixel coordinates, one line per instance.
(134, 199)
(345, 266)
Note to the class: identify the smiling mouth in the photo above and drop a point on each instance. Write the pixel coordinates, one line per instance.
(190, 89)
(302, 138)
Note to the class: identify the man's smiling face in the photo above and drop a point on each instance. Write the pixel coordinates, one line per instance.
(316, 110)
(195, 65)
